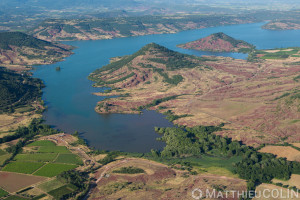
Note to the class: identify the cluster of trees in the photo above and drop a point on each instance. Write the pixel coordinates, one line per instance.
(262, 168)
(196, 141)
(157, 102)
(255, 167)
(79, 179)
(21, 39)
(129, 170)
(172, 117)
(17, 90)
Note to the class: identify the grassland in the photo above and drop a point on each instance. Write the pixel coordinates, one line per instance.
(22, 167)
(3, 193)
(53, 169)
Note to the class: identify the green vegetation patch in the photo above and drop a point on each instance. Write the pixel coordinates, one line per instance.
(40, 143)
(53, 149)
(2, 152)
(38, 157)
(21, 39)
(15, 198)
(53, 169)
(69, 159)
(39, 197)
(51, 185)
(129, 170)
(3, 193)
(64, 190)
(17, 90)
(23, 167)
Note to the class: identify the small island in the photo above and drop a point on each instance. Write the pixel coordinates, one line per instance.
(219, 42)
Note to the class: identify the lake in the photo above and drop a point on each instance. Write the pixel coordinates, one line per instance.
(68, 93)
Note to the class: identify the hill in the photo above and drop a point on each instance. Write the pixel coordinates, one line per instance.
(17, 90)
(258, 101)
(19, 49)
(107, 28)
(219, 42)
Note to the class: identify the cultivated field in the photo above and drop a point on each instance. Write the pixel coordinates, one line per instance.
(53, 169)
(50, 185)
(22, 167)
(13, 182)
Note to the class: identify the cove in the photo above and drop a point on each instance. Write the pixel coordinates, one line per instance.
(68, 93)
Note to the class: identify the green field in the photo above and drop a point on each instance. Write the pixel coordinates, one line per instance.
(38, 157)
(59, 192)
(2, 152)
(3, 193)
(22, 167)
(42, 143)
(51, 185)
(53, 169)
(68, 159)
(3, 158)
(15, 198)
(53, 149)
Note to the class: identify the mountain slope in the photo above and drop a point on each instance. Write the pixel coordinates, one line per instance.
(18, 49)
(258, 102)
(219, 42)
(17, 90)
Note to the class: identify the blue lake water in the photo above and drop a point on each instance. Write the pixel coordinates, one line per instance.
(68, 93)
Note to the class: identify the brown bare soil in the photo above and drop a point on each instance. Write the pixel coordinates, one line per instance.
(254, 100)
(13, 182)
(283, 151)
(159, 182)
(293, 181)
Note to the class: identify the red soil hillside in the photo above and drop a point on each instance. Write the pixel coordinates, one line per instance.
(219, 42)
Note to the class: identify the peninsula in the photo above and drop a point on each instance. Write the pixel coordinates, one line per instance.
(257, 101)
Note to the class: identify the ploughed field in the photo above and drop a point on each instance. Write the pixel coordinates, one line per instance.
(258, 99)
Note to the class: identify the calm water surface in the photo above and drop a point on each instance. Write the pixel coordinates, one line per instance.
(68, 93)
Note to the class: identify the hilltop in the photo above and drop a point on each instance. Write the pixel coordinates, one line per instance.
(258, 101)
(19, 49)
(219, 42)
